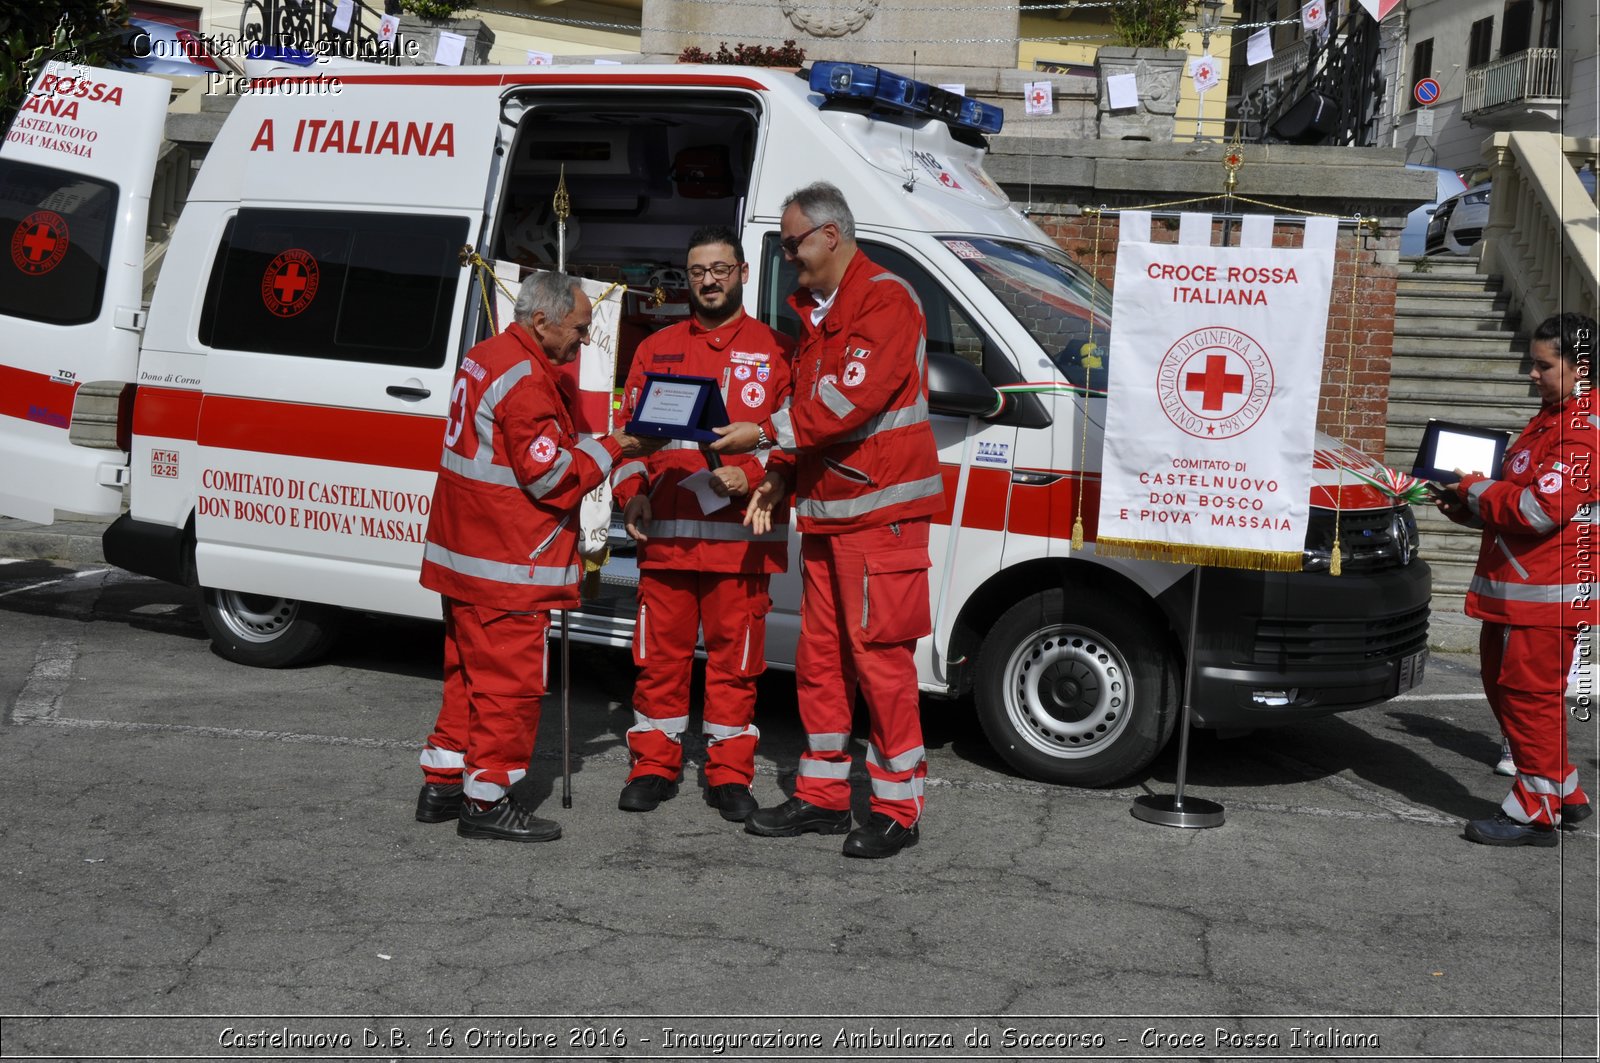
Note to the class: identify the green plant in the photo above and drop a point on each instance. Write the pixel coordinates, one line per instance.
(435, 9)
(746, 55)
(1151, 23)
(34, 32)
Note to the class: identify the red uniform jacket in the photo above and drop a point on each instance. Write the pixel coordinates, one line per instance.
(751, 364)
(1538, 561)
(858, 419)
(503, 530)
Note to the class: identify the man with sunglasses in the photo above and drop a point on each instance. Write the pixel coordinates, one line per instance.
(857, 443)
(502, 551)
(699, 566)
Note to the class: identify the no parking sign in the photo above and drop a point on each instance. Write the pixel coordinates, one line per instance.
(1426, 91)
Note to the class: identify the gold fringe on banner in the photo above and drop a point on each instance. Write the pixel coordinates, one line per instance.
(1190, 554)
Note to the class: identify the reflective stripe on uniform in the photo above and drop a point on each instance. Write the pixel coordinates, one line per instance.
(551, 479)
(824, 769)
(889, 420)
(597, 453)
(783, 429)
(827, 742)
(433, 757)
(671, 726)
(1540, 593)
(1533, 513)
(903, 762)
(845, 508)
(888, 790)
(721, 531)
(721, 732)
(834, 400)
(627, 469)
(500, 571)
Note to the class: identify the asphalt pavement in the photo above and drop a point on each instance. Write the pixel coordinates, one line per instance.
(210, 861)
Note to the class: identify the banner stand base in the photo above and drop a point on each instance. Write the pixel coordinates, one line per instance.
(1168, 810)
(1175, 810)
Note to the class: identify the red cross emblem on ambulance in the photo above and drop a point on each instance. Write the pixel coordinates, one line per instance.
(40, 243)
(289, 283)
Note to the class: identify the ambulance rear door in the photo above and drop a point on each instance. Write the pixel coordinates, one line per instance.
(75, 175)
(331, 322)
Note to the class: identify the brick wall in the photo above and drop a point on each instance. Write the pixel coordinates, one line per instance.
(1355, 385)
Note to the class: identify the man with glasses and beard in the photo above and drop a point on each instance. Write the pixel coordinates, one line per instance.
(700, 567)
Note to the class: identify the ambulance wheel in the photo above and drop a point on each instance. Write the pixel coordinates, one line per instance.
(267, 632)
(1075, 688)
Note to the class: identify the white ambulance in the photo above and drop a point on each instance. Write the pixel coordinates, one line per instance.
(284, 394)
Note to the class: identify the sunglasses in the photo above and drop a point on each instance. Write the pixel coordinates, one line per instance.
(791, 244)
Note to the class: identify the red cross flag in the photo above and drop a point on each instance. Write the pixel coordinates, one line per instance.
(1205, 73)
(387, 28)
(1038, 97)
(1379, 9)
(1215, 369)
(1313, 16)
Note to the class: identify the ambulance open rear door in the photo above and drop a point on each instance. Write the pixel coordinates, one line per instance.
(75, 175)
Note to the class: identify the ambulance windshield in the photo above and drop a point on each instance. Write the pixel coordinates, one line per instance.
(1055, 299)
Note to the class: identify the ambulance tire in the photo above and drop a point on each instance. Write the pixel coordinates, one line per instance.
(267, 632)
(1075, 688)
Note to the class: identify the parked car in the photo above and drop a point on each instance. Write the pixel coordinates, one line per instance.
(1458, 222)
(151, 47)
(1447, 183)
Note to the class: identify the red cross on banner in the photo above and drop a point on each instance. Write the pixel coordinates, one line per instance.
(1215, 382)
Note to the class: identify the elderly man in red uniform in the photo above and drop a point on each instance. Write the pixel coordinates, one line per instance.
(699, 566)
(502, 550)
(865, 468)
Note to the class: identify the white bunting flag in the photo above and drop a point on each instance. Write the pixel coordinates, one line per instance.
(1260, 48)
(540, 58)
(388, 26)
(450, 49)
(342, 15)
(1038, 97)
(1216, 368)
(1313, 16)
(1204, 71)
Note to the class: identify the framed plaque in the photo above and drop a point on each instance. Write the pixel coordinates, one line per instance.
(679, 407)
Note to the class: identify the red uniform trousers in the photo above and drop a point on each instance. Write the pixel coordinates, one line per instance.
(1525, 679)
(732, 608)
(865, 605)
(494, 676)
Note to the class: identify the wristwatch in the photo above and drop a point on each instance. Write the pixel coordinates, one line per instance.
(762, 442)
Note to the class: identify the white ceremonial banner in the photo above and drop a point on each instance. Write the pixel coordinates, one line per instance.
(1216, 369)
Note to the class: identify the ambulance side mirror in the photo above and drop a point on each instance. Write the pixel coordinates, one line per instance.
(958, 388)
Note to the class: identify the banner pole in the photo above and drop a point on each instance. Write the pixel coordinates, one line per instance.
(1170, 811)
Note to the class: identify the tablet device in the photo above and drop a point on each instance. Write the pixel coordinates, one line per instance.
(679, 407)
(1447, 446)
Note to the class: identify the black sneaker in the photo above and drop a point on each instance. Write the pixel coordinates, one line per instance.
(733, 800)
(796, 817)
(646, 792)
(882, 836)
(438, 802)
(1501, 829)
(506, 821)
(1574, 814)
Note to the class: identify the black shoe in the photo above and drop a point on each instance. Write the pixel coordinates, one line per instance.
(438, 802)
(646, 792)
(882, 836)
(733, 800)
(505, 820)
(1574, 814)
(796, 817)
(1501, 829)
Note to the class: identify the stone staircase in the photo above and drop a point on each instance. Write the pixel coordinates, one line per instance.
(1459, 355)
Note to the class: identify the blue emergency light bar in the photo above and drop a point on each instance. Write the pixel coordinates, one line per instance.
(886, 90)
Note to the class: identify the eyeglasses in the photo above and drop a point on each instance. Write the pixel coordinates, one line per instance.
(791, 244)
(720, 270)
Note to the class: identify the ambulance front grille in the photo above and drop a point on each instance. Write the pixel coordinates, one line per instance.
(1324, 643)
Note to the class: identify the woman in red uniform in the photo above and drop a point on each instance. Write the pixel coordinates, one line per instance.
(1534, 587)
